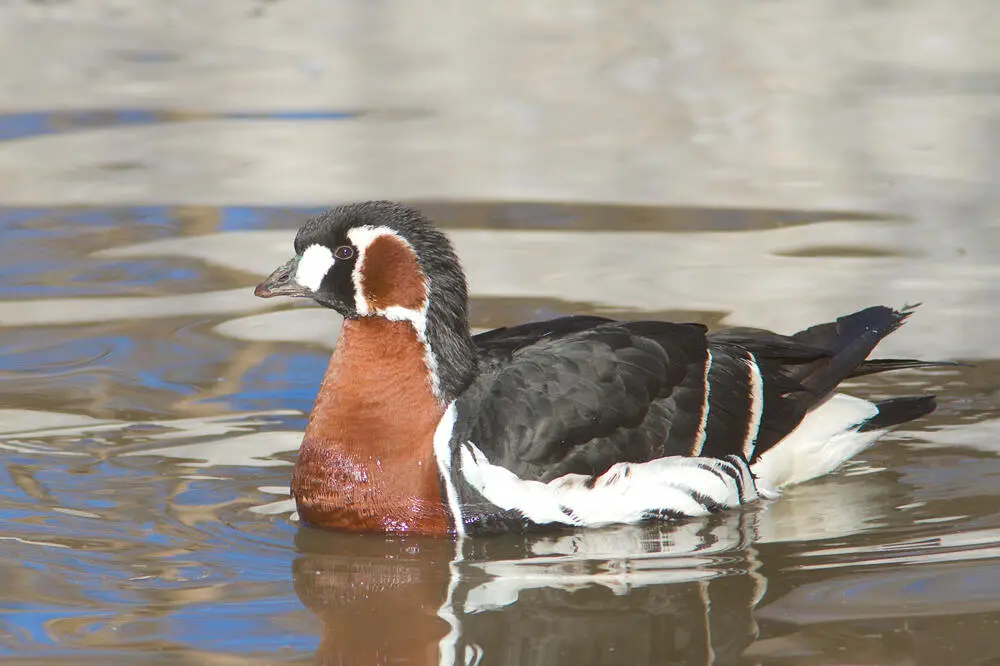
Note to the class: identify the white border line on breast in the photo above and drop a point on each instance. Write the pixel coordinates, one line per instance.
(442, 454)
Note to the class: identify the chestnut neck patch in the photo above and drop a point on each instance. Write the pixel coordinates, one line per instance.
(391, 276)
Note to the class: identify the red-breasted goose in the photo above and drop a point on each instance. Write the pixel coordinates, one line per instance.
(419, 426)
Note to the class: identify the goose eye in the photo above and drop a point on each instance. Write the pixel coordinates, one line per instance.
(344, 252)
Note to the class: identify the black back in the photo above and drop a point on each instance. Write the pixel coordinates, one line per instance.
(578, 394)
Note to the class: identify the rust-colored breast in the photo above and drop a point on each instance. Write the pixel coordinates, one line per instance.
(367, 458)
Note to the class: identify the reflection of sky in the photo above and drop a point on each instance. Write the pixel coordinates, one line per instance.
(287, 380)
(243, 628)
(39, 123)
(930, 590)
(40, 254)
(34, 621)
(168, 363)
(228, 623)
(246, 218)
(62, 222)
(17, 280)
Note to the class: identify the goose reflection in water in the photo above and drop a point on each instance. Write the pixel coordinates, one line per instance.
(687, 593)
(536, 599)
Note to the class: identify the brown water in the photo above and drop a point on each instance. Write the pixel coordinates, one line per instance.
(770, 164)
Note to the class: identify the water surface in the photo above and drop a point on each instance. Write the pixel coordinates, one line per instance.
(769, 164)
(152, 408)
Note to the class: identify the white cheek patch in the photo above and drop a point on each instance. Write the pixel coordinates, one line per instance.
(316, 261)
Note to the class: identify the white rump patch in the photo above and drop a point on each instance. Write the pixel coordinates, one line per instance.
(626, 493)
(826, 438)
(316, 261)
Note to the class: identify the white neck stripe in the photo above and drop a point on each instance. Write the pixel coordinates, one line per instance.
(362, 238)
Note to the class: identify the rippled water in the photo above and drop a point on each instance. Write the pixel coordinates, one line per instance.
(152, 407)
(775, 164)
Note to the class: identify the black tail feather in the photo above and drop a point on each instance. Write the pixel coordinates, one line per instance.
(894, 411)
(888, 364)
(850, 339)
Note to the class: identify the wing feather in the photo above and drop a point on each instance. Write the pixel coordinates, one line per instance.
(581, 401)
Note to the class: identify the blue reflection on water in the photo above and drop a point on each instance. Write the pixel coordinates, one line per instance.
(282, 381)
(40, 123)
(246, 218)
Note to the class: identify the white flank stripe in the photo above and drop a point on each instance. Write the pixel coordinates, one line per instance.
(442, 454)
(626, 493)
(756, 406)
(313, 266)
(699, 439)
